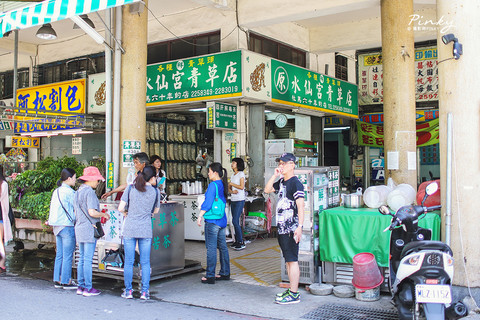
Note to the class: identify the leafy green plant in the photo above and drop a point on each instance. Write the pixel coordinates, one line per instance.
(31, 191)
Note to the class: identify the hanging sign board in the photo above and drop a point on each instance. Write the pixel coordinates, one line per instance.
(221, 116)
(129, 148)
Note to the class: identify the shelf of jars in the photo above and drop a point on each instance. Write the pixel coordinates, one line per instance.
(175, 142)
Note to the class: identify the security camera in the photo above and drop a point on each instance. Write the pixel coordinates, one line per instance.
(448, 38)
(457, 50)
(457, 46)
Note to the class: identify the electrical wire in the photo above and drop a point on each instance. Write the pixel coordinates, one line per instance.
(459, 223)
(183, 40)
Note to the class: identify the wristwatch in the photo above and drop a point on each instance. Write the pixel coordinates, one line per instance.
(300, 225)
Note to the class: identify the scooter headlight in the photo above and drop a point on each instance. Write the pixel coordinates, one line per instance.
(413, 260)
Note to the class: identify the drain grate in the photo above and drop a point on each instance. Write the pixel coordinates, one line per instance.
(344, 312)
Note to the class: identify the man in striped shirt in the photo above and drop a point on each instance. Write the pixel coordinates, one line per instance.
(289, 214)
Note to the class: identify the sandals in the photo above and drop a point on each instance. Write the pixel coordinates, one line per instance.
(220, 277)
(208, 280)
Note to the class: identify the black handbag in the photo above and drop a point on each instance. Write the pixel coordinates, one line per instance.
(98, 230)
(97, 227)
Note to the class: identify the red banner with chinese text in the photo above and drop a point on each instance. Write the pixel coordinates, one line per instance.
(371, 135)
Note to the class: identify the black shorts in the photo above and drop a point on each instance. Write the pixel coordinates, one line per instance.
(289, 247)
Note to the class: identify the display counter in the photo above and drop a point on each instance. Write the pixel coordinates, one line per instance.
(168, 245)
(191, 206)
(344, 232)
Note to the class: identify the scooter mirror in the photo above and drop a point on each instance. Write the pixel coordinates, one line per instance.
(384, 210)
(431, 188)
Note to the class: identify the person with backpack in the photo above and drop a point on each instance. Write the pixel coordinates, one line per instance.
(213, 211)
(62, 219)
(138, 204)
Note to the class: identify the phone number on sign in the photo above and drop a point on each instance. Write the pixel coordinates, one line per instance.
(216, 91)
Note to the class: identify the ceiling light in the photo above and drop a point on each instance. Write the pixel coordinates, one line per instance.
(86, 19)
(46, 32)
(88, 29)
(199, 110)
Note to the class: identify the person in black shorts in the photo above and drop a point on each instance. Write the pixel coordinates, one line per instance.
(289, 215)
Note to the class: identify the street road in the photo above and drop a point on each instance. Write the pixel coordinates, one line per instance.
(32, 299)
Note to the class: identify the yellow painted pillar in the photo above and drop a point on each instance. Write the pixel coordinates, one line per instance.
(399, 91)
(133, 83)
(460, 96)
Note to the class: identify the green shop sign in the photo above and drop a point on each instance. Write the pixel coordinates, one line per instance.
(221, 116)
(300, 87)
(212, 76)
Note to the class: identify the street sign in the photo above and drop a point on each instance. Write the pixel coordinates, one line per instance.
(221, 116)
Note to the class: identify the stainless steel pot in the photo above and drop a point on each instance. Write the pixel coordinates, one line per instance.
(352, 200)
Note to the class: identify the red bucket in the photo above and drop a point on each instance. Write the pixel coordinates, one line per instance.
(366, 274)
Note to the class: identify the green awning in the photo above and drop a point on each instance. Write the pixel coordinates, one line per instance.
(52, 10)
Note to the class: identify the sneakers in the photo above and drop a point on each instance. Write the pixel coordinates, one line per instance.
(233, 245)
(80, 290)
(280, 295)
(239, 246)
(145, 295)
(57, 285)
(288, 298)
(70, 286)
(91, 292)
(127, 294)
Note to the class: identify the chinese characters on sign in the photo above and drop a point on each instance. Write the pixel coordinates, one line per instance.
(221, 116)
(110, 176)
(301, 87)
(23, 142)
(198, 78)
(129, 148)
(370, 76)
(77, 145)
(371, 135)
(67, 96)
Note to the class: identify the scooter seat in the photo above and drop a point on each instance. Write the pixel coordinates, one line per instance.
(417, 246)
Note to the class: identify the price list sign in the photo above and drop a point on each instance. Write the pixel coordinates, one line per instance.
(129, 148)
(221, 116)
(77, 145)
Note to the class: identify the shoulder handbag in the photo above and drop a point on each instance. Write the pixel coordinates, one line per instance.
(97, 226)
(217, 211)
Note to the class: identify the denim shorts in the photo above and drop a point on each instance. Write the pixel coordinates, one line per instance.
(289, 247)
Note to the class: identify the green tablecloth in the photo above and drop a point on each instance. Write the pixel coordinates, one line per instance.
(344, 232)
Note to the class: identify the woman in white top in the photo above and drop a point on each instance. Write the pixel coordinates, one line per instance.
(157, 162)
(236, 187)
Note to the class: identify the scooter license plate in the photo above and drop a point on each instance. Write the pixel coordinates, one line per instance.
(433, 293)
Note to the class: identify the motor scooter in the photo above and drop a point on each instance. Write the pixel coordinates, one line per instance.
(421, 270)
